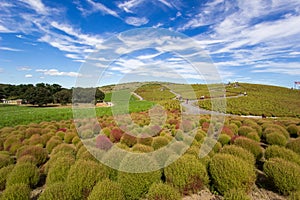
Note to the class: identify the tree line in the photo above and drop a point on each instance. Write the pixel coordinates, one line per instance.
(42, 94)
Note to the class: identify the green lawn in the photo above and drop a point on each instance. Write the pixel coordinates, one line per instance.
(19, 115)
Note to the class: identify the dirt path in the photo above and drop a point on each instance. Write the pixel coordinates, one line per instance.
(138, 96)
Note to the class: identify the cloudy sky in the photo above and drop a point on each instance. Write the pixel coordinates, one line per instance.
(247, 41)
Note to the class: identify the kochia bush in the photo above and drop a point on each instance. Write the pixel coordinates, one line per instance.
(281, 152)
(284, 174)
(160, 191)
(239, 152)
(239, 173)
(294, 145)
(16, 192)
(250, 145)
(187, 174)
(107, 190)
(26, 173)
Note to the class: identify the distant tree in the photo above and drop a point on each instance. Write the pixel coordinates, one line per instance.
(63, 97)
(87, 95)
(38, 95)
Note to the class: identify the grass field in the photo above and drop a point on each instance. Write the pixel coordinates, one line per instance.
(15, 115)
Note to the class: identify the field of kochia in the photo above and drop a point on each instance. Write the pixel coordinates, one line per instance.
(43, 156)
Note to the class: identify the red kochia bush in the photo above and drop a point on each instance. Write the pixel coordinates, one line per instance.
(116, 134)
(102, 142)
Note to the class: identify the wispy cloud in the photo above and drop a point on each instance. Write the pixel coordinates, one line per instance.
(24, 69)
(9, 49)
(96, 6)
(55, 72)
(135, 21)
(128, 5)
(36, 5)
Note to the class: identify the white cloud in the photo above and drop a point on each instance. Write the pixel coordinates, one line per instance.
(36, 5)
(28, 76)
(135, 21)
(166, 3)
(128, 5)
(24, 69)
(9, 49)
(158, 25)
(4, 29)
(20, 36)
(96, 6)
(55, 72)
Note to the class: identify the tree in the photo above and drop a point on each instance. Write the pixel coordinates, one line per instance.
(38, 96)
(87, 95)
(63, 97)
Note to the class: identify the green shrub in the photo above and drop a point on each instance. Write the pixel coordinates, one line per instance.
(5, 160)
(59, 191)
(128, 139)
(160, 191)
(236, 194)
(244, 130)
(36, 139)
(27, 159)
(239, 152)
(294, 145)
(69, 137)
(75, 140)
(295, 196)
(187, 174)
(284, 174)
(4, 172)
(52, 143)
(276, 139)
(281, 152)
(16, 192)
(59, 169)
(231, 172)
(84, 175)
(159, 142)
(39, 153)
(271, 128)
(236, 122)
(253, 136)
(11, 143)
(145, 139)
(136, 185)
(68, 148)
(107, 190)
(224, 139)
(26, 173)
(60, 134)
(56, 156)
(293, 130)
(250, 145)
(142, 148)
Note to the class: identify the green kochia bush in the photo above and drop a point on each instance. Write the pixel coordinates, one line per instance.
(107, 190)
(230, 172)
(244, 130)
(281, 152)
(293, 130)
(295, 196)
(159, 142)
(26, 173)
(5, 160)
(60, 191)
(4, 172)
(39, 153)
(84, 174)
(16, 192)
(59, 169)
(294, 145)
(236, 194)
(250, 145)
(187, 174)
(284, 174)
(224, 139)
(239, 152)
(136, 185)
(276, 139)
(160, 191)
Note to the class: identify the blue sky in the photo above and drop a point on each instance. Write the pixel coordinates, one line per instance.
(50, 40)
